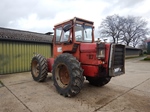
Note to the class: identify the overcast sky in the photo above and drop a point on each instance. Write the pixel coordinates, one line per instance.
(41, 15)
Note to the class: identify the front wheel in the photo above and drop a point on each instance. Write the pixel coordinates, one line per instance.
(99, 81)
(39, 68)
(67, 75)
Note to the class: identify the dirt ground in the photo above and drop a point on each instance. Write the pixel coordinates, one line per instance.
(127, 93)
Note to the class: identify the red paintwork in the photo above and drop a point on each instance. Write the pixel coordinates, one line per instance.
(65, 47)
(77, 53)
(86, 53)
(107, 51)
(88, 47)
(89, 60)
(89, 70)
(50, 62)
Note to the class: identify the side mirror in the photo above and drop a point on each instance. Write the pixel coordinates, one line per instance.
(67, 27)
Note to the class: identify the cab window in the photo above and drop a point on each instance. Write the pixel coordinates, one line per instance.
(65, 36)
(58, 34)
(83, 33)
(66, 33)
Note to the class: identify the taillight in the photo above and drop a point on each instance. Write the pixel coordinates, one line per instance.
(100, 50)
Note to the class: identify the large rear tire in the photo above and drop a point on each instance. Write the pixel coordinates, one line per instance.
(67, 75)
(39, 68)
(99, 81)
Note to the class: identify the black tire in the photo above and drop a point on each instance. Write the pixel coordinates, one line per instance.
(39, 69)
(67, 75)
(99, 81)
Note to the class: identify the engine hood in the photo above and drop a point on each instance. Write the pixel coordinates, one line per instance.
(88, 47)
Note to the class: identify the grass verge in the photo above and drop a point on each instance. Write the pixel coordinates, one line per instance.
(130, 57)
(146, 59)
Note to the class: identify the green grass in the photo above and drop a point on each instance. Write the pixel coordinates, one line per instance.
(144, 55)
(133, 57)
(146, 59)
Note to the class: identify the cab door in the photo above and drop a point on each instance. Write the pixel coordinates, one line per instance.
(63, 39)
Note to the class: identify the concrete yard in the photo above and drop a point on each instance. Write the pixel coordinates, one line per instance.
(126, 93)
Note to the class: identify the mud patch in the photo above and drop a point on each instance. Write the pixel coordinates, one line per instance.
(97, 97)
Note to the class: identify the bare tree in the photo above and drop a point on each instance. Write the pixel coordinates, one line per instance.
(111, 27)
(134, 31)
(143, 44)
(130, 31)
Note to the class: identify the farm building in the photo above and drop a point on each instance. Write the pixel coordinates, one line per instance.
(133, 52)
(18, 47)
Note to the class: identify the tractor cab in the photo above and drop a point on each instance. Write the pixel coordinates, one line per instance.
(69, 34)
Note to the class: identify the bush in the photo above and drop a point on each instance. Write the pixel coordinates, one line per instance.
(147, 59)
(145, 52)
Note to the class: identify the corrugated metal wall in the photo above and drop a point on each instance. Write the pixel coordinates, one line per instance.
(16, 56)
(133, 52)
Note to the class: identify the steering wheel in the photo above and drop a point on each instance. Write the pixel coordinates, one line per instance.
(78, 36)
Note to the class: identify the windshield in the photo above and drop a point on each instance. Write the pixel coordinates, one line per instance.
(83, 33)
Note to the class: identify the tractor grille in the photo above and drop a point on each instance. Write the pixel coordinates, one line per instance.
(117, 57)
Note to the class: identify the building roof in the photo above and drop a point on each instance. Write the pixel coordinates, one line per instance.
(19, 35)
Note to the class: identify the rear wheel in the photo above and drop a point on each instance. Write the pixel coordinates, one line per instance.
(67, 75)
(39, 68)
(99, 81)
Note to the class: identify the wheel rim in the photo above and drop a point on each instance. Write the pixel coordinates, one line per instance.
(35, 68)
(62, 75)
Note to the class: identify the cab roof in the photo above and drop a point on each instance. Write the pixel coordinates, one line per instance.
(75, 19)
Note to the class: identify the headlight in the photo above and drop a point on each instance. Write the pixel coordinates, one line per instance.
(117, 70)
(100, 50)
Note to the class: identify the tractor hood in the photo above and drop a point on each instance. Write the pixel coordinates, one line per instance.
(88, 47)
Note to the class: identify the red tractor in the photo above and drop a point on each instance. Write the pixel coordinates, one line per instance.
(76, 54)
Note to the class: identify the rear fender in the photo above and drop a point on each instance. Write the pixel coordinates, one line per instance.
(50, 62)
